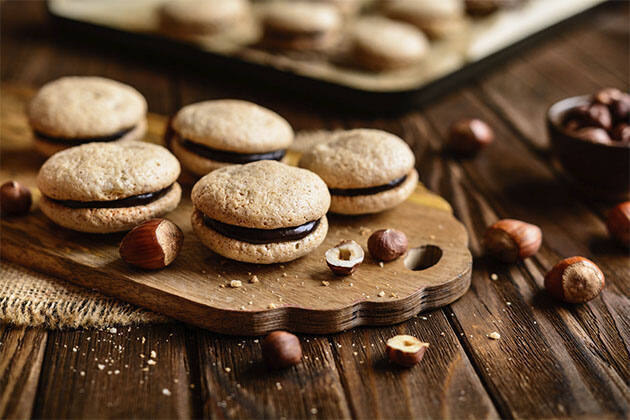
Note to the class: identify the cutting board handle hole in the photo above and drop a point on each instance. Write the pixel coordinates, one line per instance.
(423, 257)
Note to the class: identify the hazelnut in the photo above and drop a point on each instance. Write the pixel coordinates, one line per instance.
(406, 350)
(620, 108)
(509, 240)
(15, 199)
(574, 280)
(344, 258)
(387, 244)
(153, 244)
(592, 134)
(469, 135)
(281, 349)
(618, 223)
(606, 96)
(621, 132)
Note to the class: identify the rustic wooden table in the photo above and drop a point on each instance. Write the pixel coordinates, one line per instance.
(552, 360)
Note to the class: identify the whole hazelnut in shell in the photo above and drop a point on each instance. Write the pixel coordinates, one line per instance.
(469, 135)
(387, 244)
(152, 245)
(15, 199)
(281, 349)
(575, 280)
(618, 223)
(509, 240)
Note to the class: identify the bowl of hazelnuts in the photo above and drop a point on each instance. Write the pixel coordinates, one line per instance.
(590, 136)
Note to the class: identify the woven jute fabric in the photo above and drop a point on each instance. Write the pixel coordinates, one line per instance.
(28, 298)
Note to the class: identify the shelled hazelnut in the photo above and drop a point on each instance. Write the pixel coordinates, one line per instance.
(406, 350)
(603, 120)
(344, 258)
(387, 244)
(469, 135)
(15, 199)
(152, 245)
(575, 280)
(618, 223)
(281, 349)
(509, 240)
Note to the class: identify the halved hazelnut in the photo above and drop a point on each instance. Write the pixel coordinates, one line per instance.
(345, 257)
(406, 350)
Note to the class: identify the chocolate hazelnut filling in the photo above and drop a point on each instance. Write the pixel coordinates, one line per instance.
(352, 192)
(230, 157)
(134, 200)
(66, 140)
(261, 236)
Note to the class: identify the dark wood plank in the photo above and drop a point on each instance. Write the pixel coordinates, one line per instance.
(507, 180)
(237, 384)
(141, 372)
(444, 385)
(21, 356)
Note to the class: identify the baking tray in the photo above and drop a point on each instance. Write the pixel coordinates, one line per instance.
(483, 42)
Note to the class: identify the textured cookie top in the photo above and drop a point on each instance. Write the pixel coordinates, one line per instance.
(233, 125)
(204, 12)
(84, 107)
(360, 158)
(424, 8)
(301, 17)
(107, 171)
(263, 195)
(389, 38)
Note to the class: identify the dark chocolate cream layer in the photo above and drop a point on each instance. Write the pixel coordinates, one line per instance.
(230, 157)
(261, 236)
(134, 200)
(352, 192)
(79, 140)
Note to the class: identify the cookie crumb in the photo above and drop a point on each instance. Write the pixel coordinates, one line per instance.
(254, 279)
(325, 283)
(381, 264)
(166, 392)
(278, 386)
(494, 276)
(272, 306)
(228, 370)
(236, 283)
(151, 362)
(381, 293)
(494, 335)
(100, 367)
(153, 354)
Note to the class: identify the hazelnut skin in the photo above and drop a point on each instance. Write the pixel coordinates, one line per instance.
(344, 258)
(406, 350)
(152, 245)
(15, 199)
(575, 280)
(469, 135)
(618, 223)
(509, 240)
(281, 349)
(387, 244)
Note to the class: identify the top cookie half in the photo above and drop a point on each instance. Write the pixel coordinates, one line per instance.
(107, 171)
(85, 107)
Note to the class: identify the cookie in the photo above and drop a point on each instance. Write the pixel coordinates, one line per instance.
(437, 19)
(108, 187)
(201, 17)
(209, 135)
(301, 25)
(367, 171)
(71, 111)
(384, 44)
(262, 212)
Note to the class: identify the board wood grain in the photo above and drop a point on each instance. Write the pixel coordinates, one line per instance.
(302, 295)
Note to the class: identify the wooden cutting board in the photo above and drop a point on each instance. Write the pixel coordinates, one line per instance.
(302, 296)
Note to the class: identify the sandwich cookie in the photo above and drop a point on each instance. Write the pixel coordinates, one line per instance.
(75, 110)
(437, 19)
(383, 44)
(201, 17)
(366, 170)
(263, 212)
(301, 25)
(109, 187)
(209, 135)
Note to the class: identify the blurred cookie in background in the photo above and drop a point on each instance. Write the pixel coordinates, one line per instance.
(437, 19)
(300, 25)
(380, 44)
(183, 18)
